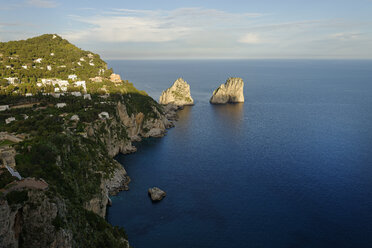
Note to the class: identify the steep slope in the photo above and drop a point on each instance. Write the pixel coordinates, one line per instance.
(64, 153)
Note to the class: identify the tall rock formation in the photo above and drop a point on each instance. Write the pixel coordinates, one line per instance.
(178, 94)
(229, 92)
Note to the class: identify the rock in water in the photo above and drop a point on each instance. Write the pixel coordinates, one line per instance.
(178, 94)
(230, 92)
(156, 194)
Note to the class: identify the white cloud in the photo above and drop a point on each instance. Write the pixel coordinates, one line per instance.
(129, 29)
(208, 33)
(346, 36)
(125, 25)
(250, 38)
(42, 3)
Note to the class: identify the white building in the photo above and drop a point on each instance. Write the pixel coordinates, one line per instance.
(61, 105)
(72, 77)
(9, 120)
(61, 83)
(76, 93)
(4, 107)
(39, 84)
(51, 54)
(104, 115)
(49, 68)
(81, 84)
(24, 66)
(82, 59)
(75, 118)
(38, 60)
(46, 81)
(28, 94)
(92, 64)
(87, 96)
(56, 95)
(12, 80)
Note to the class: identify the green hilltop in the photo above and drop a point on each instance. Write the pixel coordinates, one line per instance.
(66, 142)
(24, 63)
(46, 50)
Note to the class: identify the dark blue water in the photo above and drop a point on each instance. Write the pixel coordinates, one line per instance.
(291, 167)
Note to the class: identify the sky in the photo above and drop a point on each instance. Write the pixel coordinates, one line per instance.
(204, 29)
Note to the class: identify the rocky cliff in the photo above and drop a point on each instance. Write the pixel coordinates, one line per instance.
(82, 174)
(229, 92)
(178, 94)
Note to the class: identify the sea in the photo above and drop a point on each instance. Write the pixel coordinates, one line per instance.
(291, 167)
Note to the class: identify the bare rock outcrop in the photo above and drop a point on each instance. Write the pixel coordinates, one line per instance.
(229, 92)
(178, 94)
(138, 126)
(118, 182)
(34, 222)
(156, 194)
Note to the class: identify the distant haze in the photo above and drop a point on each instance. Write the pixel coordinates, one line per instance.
(190, 29)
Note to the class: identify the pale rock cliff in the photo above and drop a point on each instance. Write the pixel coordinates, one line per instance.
(178, 94)
(118, 135)
(138, 126)
(229, 92)
(38, 215)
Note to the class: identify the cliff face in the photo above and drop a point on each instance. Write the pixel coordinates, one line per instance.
(178, 94)
(47, 217)
(136, 127)
(230, 92)
(19, 220)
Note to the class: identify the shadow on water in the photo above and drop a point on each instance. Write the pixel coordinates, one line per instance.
(184, 122)
(229, 115)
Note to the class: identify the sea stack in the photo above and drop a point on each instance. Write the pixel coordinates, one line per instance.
(156, 194)
(178, 94)
(229, 92)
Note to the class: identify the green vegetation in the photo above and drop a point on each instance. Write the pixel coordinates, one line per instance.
(71, 156)
(36, 54)
(106, 86)
(5, 178)
(16, 197)
(136, 103)
(90, 230)
(6, 143)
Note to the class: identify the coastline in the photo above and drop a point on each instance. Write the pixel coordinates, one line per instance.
(120, 179)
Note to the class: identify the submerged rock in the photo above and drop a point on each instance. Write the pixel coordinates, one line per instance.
(229, 92)
(156, 194)
(178, 94)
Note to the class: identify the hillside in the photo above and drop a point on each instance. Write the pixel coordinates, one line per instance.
(29, 59)
(57, 166)
(50, 64)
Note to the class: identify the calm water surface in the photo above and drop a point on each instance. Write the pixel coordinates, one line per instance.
(291, 167)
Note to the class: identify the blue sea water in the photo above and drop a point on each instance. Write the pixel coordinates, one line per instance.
(291, 167)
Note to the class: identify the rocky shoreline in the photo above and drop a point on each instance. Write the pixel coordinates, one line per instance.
(120, 179)
(58, 220)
